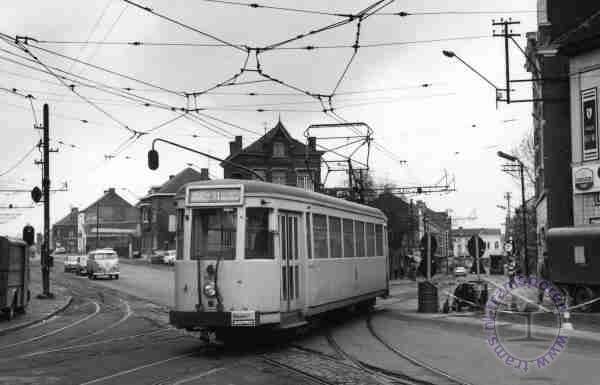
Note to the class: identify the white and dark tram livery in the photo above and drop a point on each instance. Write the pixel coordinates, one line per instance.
(256, 254)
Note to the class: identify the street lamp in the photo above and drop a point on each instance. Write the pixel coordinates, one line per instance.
(514, 159)
(452, 54)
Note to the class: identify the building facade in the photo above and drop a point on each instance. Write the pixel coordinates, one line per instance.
(552, 113)
(157, 211)
(490, 236)
(112, 222)
(64, 232)
(277, 158)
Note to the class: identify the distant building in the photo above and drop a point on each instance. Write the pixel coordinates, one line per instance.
(111, 221)
(490, 236)
(157, 211)
(64, 232)
(277, 158)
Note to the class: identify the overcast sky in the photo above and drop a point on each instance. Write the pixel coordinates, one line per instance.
(451, 125)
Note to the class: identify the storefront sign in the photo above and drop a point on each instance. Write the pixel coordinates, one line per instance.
(586, 178)
(589, 121)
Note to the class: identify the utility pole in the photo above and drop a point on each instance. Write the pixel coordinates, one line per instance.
(46, 196)
(97, 223)
(524, 215)
(506, 34)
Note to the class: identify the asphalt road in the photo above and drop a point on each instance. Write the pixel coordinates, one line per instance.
(116, 332)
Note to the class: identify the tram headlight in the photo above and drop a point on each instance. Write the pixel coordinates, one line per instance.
(209, 290)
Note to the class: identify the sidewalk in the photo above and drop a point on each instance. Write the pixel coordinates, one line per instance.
(586, 325)
(38, 310)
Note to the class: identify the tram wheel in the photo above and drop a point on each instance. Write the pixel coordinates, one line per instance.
(582, 295)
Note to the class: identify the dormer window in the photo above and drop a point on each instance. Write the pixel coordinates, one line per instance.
(278, 150)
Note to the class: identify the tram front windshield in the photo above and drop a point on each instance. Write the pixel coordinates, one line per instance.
(214, 233)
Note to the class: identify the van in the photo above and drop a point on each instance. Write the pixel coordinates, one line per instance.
(103, 263)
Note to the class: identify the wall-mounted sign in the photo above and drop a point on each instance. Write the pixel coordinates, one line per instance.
(589, 120)
(586, 178)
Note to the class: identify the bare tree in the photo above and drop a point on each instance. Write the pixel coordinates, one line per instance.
(525, 151)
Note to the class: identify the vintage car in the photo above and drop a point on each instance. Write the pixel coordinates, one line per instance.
(103, 263)
(169, 257)
(81, 265)
(71, 264)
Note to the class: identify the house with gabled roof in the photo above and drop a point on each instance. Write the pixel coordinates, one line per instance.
(278, 158)
(64, 232)
(157, 211)
(111, 222)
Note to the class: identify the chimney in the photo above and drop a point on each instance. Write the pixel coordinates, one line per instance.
(111, 190)
(235, 146)
(204, 174)
(74, 210)
(312, 143)
(171, 177)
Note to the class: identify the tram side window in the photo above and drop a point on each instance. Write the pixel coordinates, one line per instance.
(179, 233)
(308, 237)
(359, 236)
(348, 238)
(320, 235)
(335, 237)
(370, 239)
(378, 240)
(214, 233)
(259, 241)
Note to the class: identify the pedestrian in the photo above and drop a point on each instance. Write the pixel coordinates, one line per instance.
(511, 273)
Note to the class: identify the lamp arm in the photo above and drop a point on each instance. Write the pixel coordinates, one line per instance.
(208, 156)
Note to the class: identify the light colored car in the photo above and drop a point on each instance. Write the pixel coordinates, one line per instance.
(60, 250)
(169, 257)
(70, 263)
(103, 263)
(82, 265)
(460, 271)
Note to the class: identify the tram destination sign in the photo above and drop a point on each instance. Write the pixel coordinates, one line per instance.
(215, 195)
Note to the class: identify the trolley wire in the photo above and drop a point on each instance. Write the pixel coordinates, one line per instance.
(285, 9)
(19, 162)
(186, 26)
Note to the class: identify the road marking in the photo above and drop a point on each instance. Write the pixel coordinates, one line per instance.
(124, 372)
(57, 330)
(201, 375)
(70, 347)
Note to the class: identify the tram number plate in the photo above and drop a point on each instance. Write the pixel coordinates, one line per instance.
(243, 318)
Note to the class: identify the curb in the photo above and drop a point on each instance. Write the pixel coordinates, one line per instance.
(39, 320)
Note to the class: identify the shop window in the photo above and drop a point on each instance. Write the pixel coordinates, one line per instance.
(335, 237)
(320, 236)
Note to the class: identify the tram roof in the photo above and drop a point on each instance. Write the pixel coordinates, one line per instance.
(258, 187)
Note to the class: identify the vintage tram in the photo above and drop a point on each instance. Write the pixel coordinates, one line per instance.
(252, 254)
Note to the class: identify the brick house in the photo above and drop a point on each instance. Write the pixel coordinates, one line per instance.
(111, 221)
(278, 158)
(157, 210)
(64, 232)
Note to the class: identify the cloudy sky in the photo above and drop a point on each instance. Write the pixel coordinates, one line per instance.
(451, 126)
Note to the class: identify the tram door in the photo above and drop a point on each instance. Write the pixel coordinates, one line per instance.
(290, 261)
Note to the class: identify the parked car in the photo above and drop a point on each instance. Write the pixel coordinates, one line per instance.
(169, 257)
(103, 263)
(60, 250)
(82, 265)
(460, 271)
(157, 257)
(70, 263)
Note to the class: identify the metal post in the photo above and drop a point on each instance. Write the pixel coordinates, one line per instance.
(46, 194)
(477, 256)
(507, 63)
(97, 223)
(524, 214)
(428, 249)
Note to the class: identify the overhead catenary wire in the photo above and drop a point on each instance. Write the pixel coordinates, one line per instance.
(19, 162)
(276, 8)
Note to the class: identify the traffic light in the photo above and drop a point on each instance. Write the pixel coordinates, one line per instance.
(152, 159)
(36, 194)
(29, 235)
